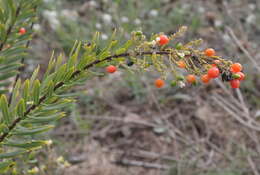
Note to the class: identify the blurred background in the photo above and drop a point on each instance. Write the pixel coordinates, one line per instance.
(121, 124)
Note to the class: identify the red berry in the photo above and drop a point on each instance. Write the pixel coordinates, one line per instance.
(181, 64)
(213, 72)
(22, 31)
(236, 67)
(235, 83)
(209, 52)
(205, 78)
(159, 83)
(163, 39)
(111, 69)
(191, 78)
(242, 76)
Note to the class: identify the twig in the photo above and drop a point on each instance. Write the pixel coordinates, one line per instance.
(118, 119)
(253, 166)
(242, 102)
(238, 43)
(141, 164)
(221, 102)
(233, 99)
(148, 155)
(74, 74)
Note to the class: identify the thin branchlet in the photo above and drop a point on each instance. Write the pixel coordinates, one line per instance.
(9, 30)
(74, 74)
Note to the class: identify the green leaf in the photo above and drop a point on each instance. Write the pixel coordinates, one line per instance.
(50, 66)
(58, 62)
(3, 128)
(8, 75)
(45, 119)
(26, 131)
(5, 165)
(26, 145)
(26, 90)
(59, 75)
(26, 15)
(87, 58)
(125, 47)
(10, 67)
(63, 104)
(68, 74)
(13, 51)
(50, 88)
(73, 58)
(15, 93)
(12, 154)
(21, 107)
(34, 75)
(36, 91)
(5, 109)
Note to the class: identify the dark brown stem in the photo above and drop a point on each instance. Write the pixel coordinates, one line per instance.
(9, 30)
(77, 72)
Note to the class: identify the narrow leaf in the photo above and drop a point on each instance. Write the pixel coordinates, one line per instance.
(5, 109)
(12, 154)
(27, 145)
(26, 131)
(36, 91)
(45, 119)
(5, 165)
(21, 107)
(26, 90)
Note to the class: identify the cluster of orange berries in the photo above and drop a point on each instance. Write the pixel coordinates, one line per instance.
(235, 74)
(214, 72)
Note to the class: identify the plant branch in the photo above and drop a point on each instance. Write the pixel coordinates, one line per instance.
(9, 30)
(77, 72)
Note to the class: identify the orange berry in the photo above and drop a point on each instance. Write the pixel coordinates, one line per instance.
(210, 52)
(236, 67)
(111, 69)
(181, 64)
(242, 76)
(159, 83)
(235, 83)
(213, 72)
(22, 31)
(205, 78)
(191, 78)
(163, 39)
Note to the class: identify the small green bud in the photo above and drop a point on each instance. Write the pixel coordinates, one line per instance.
(138, 33)
(187, 52)
(180, 78)
(235, 76)
(173, 83)
(178, 46)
